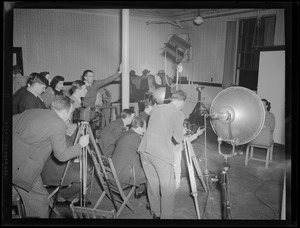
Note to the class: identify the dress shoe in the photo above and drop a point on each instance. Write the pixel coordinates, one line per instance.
(87, 203)
(155, 216)
(60, 199)
(63, 203)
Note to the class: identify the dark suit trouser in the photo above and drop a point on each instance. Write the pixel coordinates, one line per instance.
(36, 200)
(160, 175)
(71, 183)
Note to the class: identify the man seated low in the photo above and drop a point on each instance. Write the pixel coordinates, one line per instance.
(53, 172)
(125, 155)
(111, 133)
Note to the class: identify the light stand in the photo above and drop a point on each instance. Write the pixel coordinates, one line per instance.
(224, 186)
(224, 181)
(209, 175)
(224, 174)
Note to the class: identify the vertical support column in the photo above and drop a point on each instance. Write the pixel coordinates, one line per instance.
(125, 58)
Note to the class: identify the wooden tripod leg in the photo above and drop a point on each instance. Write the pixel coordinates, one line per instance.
(191, 174)
(103, 178)
(196, 165)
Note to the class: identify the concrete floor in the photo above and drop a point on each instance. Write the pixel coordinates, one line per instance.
(254, 192)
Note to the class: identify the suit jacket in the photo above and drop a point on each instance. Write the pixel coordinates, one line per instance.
(165, 122)
(145, 116)
(109, 136)
(36, 133)
(30, 101)
(125, 157)
(90, 97)
(48, 96)
(16, 98)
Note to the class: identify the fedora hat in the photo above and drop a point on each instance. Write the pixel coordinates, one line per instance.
(146, 71)
(161, 72)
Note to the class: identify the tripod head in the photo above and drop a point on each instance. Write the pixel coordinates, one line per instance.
(200, 88)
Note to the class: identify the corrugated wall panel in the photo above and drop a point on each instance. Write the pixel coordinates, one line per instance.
(209, 44)
(208, 47)
(67, 43)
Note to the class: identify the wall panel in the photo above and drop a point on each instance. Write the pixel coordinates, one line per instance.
(209, 43)
(67, 43)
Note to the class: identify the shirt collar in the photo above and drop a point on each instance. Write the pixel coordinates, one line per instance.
(87, 84)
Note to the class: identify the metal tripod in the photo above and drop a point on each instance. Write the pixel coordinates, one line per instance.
(191, 159)
(224, 174)
(224, 180)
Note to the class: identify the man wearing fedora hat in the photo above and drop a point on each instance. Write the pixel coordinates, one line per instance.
(163, 80)
(145, 73)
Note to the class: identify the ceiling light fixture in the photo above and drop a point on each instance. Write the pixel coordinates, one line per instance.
(198, 20)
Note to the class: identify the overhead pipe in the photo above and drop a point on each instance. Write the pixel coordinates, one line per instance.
(233, 12)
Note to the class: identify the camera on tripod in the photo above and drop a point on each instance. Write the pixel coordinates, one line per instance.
(85, 114)
(187, 125)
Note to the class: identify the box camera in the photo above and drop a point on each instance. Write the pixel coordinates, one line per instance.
(84, 114)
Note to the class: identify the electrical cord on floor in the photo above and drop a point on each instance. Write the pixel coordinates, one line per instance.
(275, 215)
(264, 181)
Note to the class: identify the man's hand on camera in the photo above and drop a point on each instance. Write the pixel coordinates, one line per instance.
(200, 131)
(84, 140)
(185, 131)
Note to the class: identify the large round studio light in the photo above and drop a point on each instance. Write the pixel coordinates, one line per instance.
(237, 115)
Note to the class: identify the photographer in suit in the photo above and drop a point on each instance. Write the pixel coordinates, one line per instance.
(54, 169)
(36, 133)
(157, 154)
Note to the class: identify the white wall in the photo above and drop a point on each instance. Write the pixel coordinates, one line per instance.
(66, 43)
(271, 86)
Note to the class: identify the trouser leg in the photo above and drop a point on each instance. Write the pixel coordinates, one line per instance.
(161, 185)
(152, 184)
(177, 164)
(35, 201)
(165, 172)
